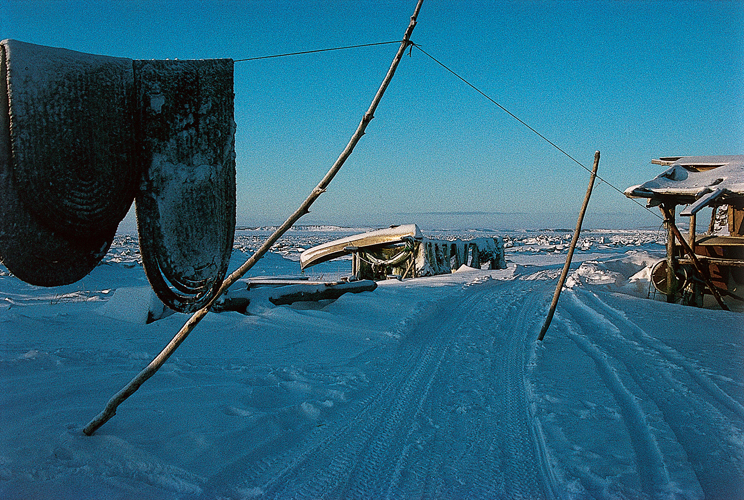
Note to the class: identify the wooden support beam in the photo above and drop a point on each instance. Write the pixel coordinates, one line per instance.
(718, 261)
(693, 222)
(695, 262)
(671, 263)
(712, 225)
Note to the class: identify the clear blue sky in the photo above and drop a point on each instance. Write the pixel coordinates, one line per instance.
(633, 79)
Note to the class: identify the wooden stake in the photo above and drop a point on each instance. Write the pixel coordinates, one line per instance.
(571, 249)
(110, 410)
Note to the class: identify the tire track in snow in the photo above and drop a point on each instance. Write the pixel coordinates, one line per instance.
(363, 457)
(625, 325)
(528, 472)
(711, 440)
(492, 444)
(461, 453)
(651, 468)
(449, 417)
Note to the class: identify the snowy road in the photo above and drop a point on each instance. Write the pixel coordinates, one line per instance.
(453, 411)
(445, 414)
(429, 388)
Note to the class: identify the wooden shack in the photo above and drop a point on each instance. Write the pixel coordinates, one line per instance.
(707, 264)
(403, 252)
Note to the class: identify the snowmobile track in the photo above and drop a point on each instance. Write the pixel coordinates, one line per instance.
(665, 388)
(447, 418)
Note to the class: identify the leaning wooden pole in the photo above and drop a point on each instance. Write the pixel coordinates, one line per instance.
(110, 410)
(571, 249)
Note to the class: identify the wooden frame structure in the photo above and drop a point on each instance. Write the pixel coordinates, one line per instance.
(711, 263)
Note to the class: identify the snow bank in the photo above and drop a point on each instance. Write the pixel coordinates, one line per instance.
(629, 274)
(135, 305)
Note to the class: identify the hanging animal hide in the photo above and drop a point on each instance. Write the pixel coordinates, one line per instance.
(67, 167)
(186, 205)
(81, 135)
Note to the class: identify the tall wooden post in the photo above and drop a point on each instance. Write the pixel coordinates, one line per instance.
(571, 249)
(712, 225)
(697, 295)
(693, 223)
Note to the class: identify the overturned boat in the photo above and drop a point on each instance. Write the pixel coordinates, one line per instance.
(404, 252)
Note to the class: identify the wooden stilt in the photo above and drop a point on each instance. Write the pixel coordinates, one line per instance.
(692, 237)
(671, 263)
(695, 261)
(697, 296)
(571, 249)
(712, 225)
(110, 409)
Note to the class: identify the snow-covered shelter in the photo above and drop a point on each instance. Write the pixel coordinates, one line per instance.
(403, 252)
(712, 262)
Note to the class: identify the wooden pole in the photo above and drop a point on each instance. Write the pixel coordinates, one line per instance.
(671, 269)
(110, 410)
(695, 261)
(571, 249)
(712, 225)
(693, 236)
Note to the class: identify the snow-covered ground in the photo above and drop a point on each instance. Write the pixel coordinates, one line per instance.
(427, 388)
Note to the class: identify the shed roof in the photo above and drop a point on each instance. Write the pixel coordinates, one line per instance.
(697, 180)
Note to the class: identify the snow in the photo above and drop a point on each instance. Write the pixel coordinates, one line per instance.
(683, 177)
(425, 388)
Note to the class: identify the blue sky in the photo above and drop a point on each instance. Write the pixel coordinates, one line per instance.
(634, 79)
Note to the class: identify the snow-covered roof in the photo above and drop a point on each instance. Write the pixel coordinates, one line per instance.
(694, 179)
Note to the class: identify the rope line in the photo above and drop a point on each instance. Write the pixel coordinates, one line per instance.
(451, 71)
(316, 51)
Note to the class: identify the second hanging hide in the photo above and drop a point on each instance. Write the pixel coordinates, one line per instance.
(186, 203)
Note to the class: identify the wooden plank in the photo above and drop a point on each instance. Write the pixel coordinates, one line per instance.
(702, 202)
(721, 241)
(285, 293)
(666, 160)
(736, 220)
(714, 260)
(323, 293)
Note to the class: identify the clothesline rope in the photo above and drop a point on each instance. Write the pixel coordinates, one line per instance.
(316, 51)
(466, 82)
